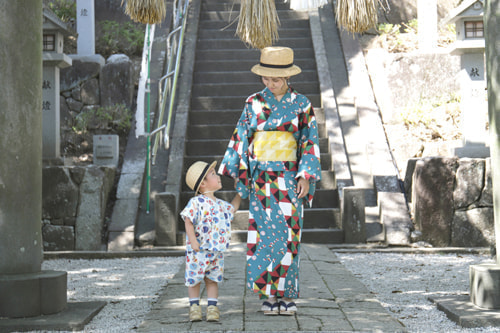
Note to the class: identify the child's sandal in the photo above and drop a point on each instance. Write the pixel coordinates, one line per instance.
(287, 309)
(270, 309)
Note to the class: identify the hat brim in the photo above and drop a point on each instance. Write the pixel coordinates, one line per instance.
(202, 176)
(276, 72)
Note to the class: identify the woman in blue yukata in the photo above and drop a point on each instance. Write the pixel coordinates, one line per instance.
(274, 157)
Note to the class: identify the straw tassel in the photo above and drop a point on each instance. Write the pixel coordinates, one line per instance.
(258, 23)
(146, 11)
(356, 15)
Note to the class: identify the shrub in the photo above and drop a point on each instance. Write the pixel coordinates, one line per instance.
(64, 9)
(116, 118)
(127, 38)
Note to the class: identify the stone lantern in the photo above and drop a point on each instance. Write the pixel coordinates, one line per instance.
(54, 59)
(468, 19)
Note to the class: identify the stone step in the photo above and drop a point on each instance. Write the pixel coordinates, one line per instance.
(246, 54)
(314, 236)
(199, 132)
(228, 117)
(323, 198)
(323, 218)
(245, 76)
(240, 65)
(224, 131)
(327, 182)
(217, 5)
(218, 146)
(320, 218)
(230, 15)
(326, 160)
(374, 229)
(234, 102)
(301, 42)
(323, 236)
(241, 89)
(231, 34)
(284, 24)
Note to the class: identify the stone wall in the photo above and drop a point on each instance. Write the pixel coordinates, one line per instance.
(90, 83)
(452, 203)
(74, 198)
(74, 201)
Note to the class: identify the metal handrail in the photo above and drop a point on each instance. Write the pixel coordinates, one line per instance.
(170, 79)
(169, 84)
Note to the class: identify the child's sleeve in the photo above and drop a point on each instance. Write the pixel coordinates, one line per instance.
(190, 211)
(230, 211)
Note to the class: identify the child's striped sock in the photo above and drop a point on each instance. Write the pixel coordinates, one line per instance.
(194, 301)
(212, 301)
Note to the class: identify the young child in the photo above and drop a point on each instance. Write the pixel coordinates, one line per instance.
(208, 232)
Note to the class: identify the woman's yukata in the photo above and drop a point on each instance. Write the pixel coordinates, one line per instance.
(259, 156)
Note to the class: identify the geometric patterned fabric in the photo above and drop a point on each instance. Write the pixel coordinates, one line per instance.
(274, 146)
(273, 246)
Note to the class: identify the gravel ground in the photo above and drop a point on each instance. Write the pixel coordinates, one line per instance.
(401, 282)
(129, 286)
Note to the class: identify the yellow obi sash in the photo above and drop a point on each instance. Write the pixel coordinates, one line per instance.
(274, 146)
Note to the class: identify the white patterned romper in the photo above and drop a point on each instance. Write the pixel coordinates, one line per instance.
(212, 226)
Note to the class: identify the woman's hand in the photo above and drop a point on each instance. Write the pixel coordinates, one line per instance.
(302, 187)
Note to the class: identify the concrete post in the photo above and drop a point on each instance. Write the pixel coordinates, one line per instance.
(23, 286)
(484, 288)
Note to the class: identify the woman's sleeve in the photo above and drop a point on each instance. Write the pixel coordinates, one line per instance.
(235, 163)
(309, 155)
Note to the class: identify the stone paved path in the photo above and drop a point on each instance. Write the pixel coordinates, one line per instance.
(332, 299)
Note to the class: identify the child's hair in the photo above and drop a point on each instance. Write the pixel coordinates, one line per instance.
(196, 173)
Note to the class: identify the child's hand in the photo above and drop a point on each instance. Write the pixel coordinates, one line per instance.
(195, 246)
(236, 202)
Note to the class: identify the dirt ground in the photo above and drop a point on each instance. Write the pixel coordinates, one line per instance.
(429, 128)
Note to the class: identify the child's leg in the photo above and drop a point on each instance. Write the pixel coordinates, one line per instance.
(213, 313)
(212, 289)
(194, 303)
(194, 294)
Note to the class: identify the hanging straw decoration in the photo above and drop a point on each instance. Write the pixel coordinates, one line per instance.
(356, 15)
(258, 23)
(146, 11)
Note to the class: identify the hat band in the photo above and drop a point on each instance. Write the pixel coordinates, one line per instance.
(200, 179)
(276, 66)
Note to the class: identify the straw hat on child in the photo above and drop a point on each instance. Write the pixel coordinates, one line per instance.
(196, 173)
(276, 61)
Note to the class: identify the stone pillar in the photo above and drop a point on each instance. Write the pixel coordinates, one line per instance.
(85, 26)
(484, 286)
(474, 106)
(353, 217)
(51, 137)
(427, 25)
(25, 290)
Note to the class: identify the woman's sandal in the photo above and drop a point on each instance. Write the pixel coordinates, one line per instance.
(287, 309)
(271, 309)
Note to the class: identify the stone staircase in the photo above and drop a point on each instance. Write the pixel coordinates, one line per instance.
(222, 80)
(358, 199)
